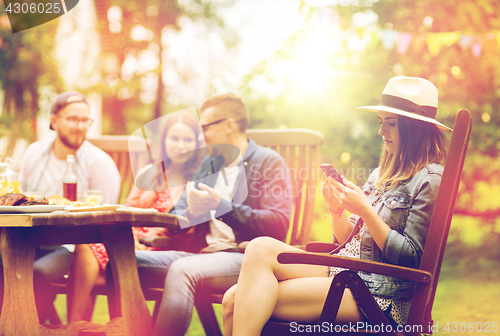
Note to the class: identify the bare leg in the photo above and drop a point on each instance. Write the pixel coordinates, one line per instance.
(228, 310)
(262, 291)
(85, 273)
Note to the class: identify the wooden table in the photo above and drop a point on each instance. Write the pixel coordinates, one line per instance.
(20, 233)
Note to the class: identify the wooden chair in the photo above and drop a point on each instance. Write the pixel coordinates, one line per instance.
(426, 277)
(301, 150)
(129, 154)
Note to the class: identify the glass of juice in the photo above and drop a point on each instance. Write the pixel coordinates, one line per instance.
(92, 197)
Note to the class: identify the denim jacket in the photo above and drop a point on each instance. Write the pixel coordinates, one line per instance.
(407, 209)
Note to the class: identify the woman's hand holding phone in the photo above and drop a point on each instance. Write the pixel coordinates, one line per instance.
(329, 193)
(350, 196)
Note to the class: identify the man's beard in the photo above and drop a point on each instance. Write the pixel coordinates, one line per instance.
(69, 144)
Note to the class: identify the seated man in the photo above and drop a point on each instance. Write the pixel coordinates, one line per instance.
(224, 222)
(42, 169)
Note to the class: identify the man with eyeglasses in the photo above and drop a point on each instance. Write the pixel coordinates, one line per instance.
(230, 203)
(42, 169)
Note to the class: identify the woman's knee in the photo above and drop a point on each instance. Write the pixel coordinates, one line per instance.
(262, 248)
(228, 302)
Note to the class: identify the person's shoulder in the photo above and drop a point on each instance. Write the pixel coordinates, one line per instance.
(374, 175)
(262, 152)
(433, 168)
(35, 151)
(96, 152)
(431, 173)
(40, 146)
(92, 155)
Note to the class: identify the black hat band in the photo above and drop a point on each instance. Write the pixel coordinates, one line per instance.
(408, 106)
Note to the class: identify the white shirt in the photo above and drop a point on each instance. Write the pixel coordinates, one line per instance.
(221, 236)
(51, 181)
(94, 170)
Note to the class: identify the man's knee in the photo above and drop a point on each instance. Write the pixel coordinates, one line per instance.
(183, 270)
(53, 266)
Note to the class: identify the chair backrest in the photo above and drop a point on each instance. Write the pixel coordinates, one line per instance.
(423, 297)
(301, 149)
(129, 155)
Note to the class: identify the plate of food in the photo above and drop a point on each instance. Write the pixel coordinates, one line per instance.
(20, 203)
(82, 208)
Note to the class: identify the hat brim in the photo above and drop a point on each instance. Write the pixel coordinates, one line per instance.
(406, 114)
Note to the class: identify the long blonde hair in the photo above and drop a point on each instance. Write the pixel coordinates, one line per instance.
(420, 143)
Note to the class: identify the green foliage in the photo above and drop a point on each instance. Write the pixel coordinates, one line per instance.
(26, 64)
(331, 110)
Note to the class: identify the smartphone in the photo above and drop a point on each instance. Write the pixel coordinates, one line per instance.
(331, 172)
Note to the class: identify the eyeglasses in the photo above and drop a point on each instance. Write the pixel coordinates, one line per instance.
(74, 121)
(204, 127)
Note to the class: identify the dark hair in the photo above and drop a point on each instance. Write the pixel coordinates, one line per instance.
(191, 120)
(419, 144)
(233, 105)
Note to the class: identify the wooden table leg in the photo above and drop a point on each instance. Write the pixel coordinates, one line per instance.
(119, 243)
(19, 316)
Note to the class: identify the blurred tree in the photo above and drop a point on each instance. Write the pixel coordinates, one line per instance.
(464, 80)
(132, 55)
(26, 66)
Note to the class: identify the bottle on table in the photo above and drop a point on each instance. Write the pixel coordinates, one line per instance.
(69, 180)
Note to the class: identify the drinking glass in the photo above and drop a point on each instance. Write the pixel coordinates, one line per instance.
(92, 197)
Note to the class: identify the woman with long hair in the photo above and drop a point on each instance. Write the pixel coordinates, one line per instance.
(178, 142)
(392, 213)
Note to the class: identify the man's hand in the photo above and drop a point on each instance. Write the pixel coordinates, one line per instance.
(202, 201)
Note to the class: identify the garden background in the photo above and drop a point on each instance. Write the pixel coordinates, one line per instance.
(305, 64)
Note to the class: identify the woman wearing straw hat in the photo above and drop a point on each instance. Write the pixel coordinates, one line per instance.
(389, 223)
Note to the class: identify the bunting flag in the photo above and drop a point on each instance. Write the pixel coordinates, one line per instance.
(404, 40)
(476, 49)
(436, 40)
(478, 44)
(434, 43)
(389, 38)
(418, 43)
(465, 41)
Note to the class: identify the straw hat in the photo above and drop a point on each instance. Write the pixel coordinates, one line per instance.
(411, 97)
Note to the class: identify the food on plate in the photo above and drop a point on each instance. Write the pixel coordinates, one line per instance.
(16, 199)
(58, 200)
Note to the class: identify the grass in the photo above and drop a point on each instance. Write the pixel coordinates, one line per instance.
(467, 295)
(101, 315)
(463, 295)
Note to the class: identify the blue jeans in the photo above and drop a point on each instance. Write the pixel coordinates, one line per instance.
(184, 274)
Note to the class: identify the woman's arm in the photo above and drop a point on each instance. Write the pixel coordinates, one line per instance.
(399, 248)
(354, 200)
(140, 198)
(341, 225)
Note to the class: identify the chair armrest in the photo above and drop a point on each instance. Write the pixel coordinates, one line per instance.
(355, 265)
(321, 247)
(243, 245)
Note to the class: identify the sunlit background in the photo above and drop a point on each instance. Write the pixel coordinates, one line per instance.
(297, 63)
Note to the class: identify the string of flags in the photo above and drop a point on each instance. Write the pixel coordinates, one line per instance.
(402, 41)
